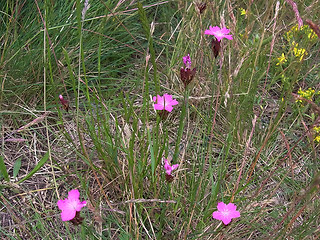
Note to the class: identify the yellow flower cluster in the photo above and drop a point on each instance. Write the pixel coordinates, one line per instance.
(281, 59)
(304, 30)
(317, 132)
(307, 94)
(243, 11)
(299, 53)
(305, 33)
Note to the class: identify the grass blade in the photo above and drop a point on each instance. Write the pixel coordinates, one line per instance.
(16, 167)
(36, 168)
(3, 169)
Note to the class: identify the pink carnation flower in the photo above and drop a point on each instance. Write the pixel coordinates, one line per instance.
(169, 168)
(187, 61)
(70, 205)
(226, 212)
(164, 103)
(219, 33)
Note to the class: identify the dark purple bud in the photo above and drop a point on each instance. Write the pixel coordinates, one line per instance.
(64, 103)
(169, 178)
(215, 46)
(201, 7)
(186, 75)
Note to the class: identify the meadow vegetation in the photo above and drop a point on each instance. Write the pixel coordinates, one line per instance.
(155, 121)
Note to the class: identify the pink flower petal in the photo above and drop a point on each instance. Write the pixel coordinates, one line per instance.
(80, 205)
(229, 37)
(217, 215)
(175, 166)
(67, 214)
(221, 206)
(221, 216)
(226, 220)
(70, 205)
(167, 97)
(73, 195)
(231, 207)
(207, 32)
(158, 107)
(165, 102)
(61, 204)
(168, 108)
(219, 33)
(169, 168)
(174, 102)
(226, 212)
(187, 61)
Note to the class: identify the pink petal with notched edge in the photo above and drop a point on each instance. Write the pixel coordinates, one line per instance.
(221, 206)
(226, 220)
(70, 205)
(168, 100)
(168, 108)
(158, 106)
(231, 207)
(68, 214)
(154, 98)
(169, 168)
(73, 195)
(165, 102)
(226, 212)
(174, 102)
(219, 33)
(175, 166)
(217, 215)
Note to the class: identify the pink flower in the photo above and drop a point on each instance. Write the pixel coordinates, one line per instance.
(70, 205)
(164, 103)
(226, 212)
(218, 33)
(187, 61)
(169, 168)
(186, 74)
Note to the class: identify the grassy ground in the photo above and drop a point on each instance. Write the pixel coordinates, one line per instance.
(244, 131)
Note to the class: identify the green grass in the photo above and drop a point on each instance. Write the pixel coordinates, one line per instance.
(238, 133)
